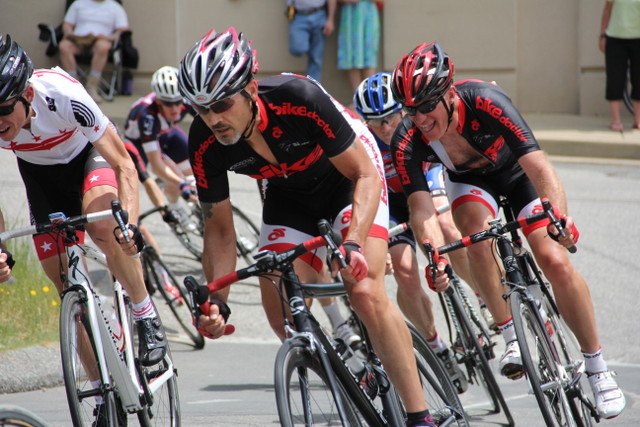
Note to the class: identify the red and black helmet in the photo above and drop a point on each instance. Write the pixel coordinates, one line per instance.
(423, 75)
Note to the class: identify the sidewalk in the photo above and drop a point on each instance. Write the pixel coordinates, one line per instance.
(558, 134)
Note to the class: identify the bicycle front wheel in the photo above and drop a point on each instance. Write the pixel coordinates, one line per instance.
(79, 364)
(14, 416)
(303, 394)
(174, 295)
(542, 368)
(247, 235)
(438, 390)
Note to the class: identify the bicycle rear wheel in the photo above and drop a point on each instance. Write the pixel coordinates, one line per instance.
(439, 392)
(247, 235)
(159, 277)
(543, 370)
(76, 343)
(303, 394)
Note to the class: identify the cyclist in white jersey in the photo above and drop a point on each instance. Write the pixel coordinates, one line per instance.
(72, 160)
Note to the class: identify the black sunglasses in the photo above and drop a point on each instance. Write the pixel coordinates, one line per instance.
(171, 103)
(424, 108)
(5, 110)
(217, 107)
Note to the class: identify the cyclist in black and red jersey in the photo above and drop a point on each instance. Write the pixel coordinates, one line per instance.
(317, 161)
(489, 151)
(152, 125)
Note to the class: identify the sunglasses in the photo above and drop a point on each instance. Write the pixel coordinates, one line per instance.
(171, 103)
(217, 107)
(5, 110)
(390, 119)
(424, 108)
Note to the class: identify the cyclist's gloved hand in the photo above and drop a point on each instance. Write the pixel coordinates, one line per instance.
(214, 325)
(187, 190)
(568, 226)
(136, 238)
(6, 264)
(353, 254)
(436, 274)
(169, 216)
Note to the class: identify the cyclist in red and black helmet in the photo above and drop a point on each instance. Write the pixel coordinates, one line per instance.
(489, 152)
(316, 161)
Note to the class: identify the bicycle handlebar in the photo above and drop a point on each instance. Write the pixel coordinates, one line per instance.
(59, 223)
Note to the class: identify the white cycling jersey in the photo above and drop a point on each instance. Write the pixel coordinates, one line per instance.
(66, 118)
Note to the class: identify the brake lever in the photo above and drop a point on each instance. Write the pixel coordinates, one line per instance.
(557, 223)
(122, 218)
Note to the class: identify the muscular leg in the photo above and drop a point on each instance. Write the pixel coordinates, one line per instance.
(414, 302)
(472, 217)
(387, 330)
(569, 287)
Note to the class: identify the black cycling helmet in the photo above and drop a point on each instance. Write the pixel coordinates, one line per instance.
(217, 67)
(423, 75)
(15, 69)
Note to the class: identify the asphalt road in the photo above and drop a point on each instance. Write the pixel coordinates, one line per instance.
(229, 382)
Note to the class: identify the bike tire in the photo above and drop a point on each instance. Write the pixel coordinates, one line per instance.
(76, 334)
(439, 392)
(192, 238)
(303, 393)
(156, 272)
(247, 235)
(568, 350)
(475, 360)
(626, 93)
(540, 364)
(14, 416)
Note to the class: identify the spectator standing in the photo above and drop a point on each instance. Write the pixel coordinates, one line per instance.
(358, 40)
(310, 23)
(91, 25)
(620, 43)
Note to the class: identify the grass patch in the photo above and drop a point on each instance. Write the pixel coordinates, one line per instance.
(29, 307)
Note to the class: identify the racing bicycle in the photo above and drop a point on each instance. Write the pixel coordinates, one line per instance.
(551, 356)
(101, 332)
(315, 383)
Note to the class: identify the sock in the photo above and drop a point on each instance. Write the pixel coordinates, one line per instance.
(333, 313)
(143, 309)
(95, 73)
(507, 330)
(416, 418)
(98, 398)
(594, 362)
(436, 344)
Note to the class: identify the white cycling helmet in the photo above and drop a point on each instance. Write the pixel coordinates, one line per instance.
(373, 98)
(164, 83)
(217, 67)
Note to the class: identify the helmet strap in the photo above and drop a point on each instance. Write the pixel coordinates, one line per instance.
(254, 114)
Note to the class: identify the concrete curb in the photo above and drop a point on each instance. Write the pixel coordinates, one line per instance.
(30, 368)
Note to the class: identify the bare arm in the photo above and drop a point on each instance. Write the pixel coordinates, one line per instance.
(604, 23)
(424, 221)
(111, 147)
(329, 26)
(355, 164)
(161, 168)
(544, 178)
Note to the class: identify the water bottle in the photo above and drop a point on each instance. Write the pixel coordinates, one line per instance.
(113, 324)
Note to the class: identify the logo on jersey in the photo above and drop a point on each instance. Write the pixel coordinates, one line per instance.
(198, 167)
(301, 110)
(83, 114)
(47, 144)
(494, 111)
(51, 103)
(276, 132)
(242, 164)
(287, 146)
(276, 234)
(494, 149)
(399, 154)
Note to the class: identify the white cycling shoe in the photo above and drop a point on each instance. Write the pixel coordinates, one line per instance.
(610, 400)
(511, 361)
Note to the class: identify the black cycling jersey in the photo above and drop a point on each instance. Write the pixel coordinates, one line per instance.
(302, 128)
(487, 120)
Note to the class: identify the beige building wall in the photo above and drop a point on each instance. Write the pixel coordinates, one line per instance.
(543, 52)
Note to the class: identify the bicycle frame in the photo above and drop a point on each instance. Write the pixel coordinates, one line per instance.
(119, 365)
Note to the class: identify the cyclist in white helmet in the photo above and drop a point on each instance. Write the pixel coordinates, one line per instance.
(153, 127)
